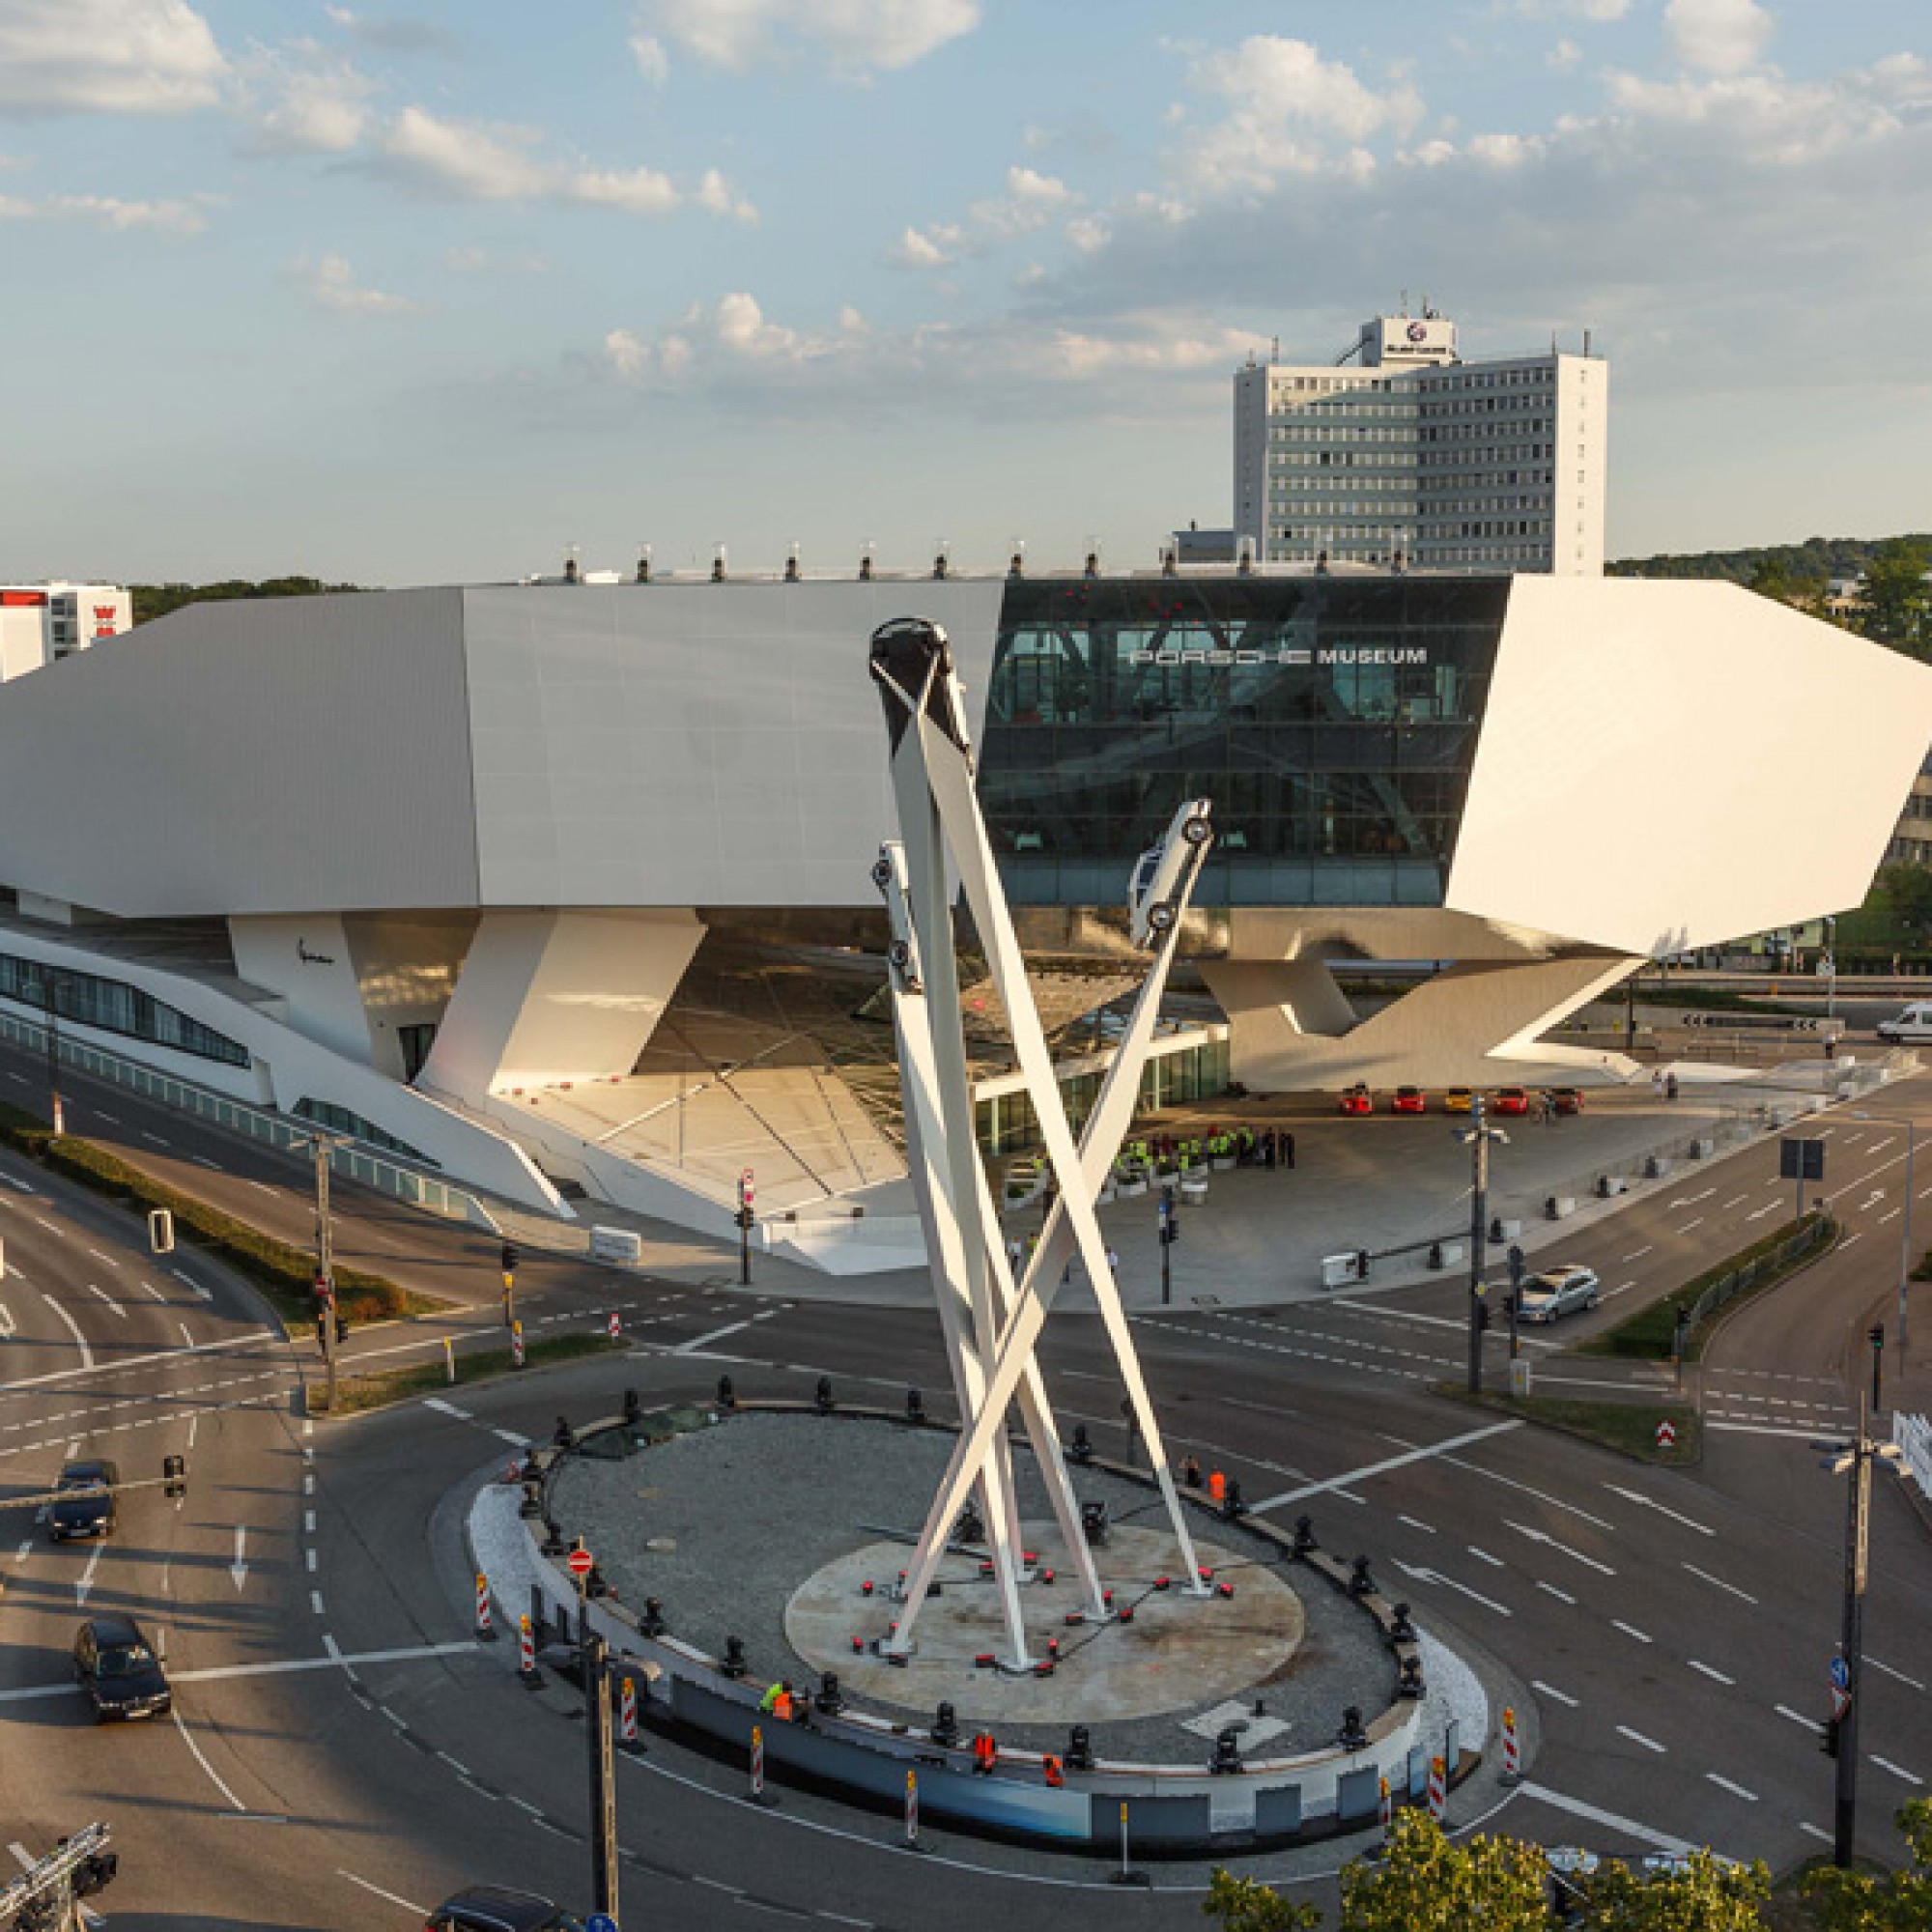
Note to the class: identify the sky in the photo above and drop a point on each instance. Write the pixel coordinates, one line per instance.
(410, 292)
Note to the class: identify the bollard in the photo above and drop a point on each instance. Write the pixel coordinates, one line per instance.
(1386, 1810)
(527, 1655)
(627, 1719)
(1439, 1789)
(517, 1345)
(758, 1764)
(616, 1326)
(1511, 1750)
(912, 1811)
(485, 1633)
(727, 1396)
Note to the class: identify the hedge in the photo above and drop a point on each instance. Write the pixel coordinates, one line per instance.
(285, 1274)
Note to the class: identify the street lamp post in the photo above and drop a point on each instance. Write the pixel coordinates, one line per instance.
(1841, 1735)
(1905, 1219)
(1478, 1135)
(320, 1146)
(50, 1036)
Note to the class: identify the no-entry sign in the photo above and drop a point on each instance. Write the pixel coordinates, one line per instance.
(580, 1562)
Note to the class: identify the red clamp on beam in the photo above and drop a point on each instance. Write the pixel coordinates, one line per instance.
(865, 1588)
(984, 1660)
(1160, 1583)
(1206, 1575)
(1126, 1613)
(1220, 1590)
(858, 1646)
(1043, 1669)
(1030, 1555)
(1047, 1575)
(1107, 1598)
(1076, 1616)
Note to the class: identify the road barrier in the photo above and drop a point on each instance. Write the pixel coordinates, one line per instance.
(616, 1326)
(485, 1632)
(759, 1762)
(1511, 1750)
(1438, 1788)
(627, 1719)
(912, 1809)
(526, 1654)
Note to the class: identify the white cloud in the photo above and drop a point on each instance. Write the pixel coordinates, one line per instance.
(170, 217)
(331, 284)
(393, 35)
(921, 248)
(1599, 10)
(1284, 109)
(1030, 202)
(467, 261)
(465, 160)
(107, 57)
(653, 62)
(1719, 36)
(1564, 55)
(299, 101)
(849, 34)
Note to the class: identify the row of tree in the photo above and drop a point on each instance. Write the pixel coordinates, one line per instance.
(156, 600)
(1424, 1881)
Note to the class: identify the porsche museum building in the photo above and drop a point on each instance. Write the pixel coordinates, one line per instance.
(559, 895)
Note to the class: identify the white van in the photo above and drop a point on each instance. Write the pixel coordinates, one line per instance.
(1915, 1023)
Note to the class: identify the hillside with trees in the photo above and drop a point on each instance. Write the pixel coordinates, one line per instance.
(1816, 557)
(156, 600)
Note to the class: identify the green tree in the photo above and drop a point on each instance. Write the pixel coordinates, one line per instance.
(1426, 1882)
(1246, 1905)
(1895, 606)
(1702, 1894)
(1784, 575)
(1855, 1901)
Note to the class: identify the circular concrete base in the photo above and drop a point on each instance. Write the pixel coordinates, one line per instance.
(1177, 1652)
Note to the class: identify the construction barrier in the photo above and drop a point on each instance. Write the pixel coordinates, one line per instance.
(912, 1808)
(517, 1345)
(1438, 1788)
(627, 1717)
(527, 1653)
(1387, 1810)
(616, 1324)
(1511, 1750)
(485, 1632)
(757, 1761)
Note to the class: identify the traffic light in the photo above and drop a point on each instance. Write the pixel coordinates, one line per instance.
(342, 1327)
(1828, 1742)
(97, 1871)
(510, 1257)
(174, 1477)
(1482, 1318)
(1875, 1334)
(747, 1218)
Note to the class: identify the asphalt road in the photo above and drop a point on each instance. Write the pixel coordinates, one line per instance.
(346, 1752)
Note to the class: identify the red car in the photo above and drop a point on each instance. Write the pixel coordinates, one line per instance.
(1359, 1100)
(1566, 1101)
(1408, 1100)
(1510, 1100)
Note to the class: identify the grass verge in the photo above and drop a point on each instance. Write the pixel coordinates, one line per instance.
(1648, 1333)
(284, 1274)
(479, 1365)
(1630, 1427)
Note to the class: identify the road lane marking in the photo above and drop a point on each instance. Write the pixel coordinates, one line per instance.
(1562, 1595)
(84, 1583)
(109, 1300)
(1416, 1522)
(1551, 1691)
(1812, 1832)
(59, 1234)
(1799, 1717)
(1349, 1479)
(511, 1436)
(7, 1324)
(1736, 1201)
(442, 1408)
(1638, 1738)
(200, 1758)
(1643, 1501)
(149, 1289)
(1897, 1770)
(1449, 1583)
(109, 1260)
(315, 1601)
(1718, 1582)
(79, 1340)
(1696, 1221)
(1716, 1676)
(1629, 1630)
(415, 1911)
(1577, 1807)
(1527, 1489)
(202, 1161)
(1890, 1672)
(1483, 1555)
(1544, 1537)
(1762, 1428)
(133, 1361)
(154, 1138)
(1736, 1790)
(1637, 1254)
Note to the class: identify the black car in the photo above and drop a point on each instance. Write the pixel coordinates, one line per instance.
(119, 1670)
(85, 1506)
(492, 1908)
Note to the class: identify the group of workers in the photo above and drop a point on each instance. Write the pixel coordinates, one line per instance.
(1269, 1146)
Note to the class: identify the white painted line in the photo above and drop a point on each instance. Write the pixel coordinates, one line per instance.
(80, 1342)
(108, 1259)
(1716, 1676)
(154, 1293)
(1450, 1583)
(415, 1911)
(1718, 1582)
(139, 1361)
(263, 1185)
(1528, 1490)
(59, 1234)
(187, 1335)
(1799, 1717)
(1736, 1790)
(202, 1161)
(1643, 1501)
(309, 1522)
(1561, 1596)
(1551, 1691)
(109, 1300)
(1577, 1807)
(1638, 1738)
(154, 1138)
(1736, 1201)
(1484, 1556)
(1898, 1771)
(85, 1582)
(1628, 1629)
(1637, 1254)
(1812, 1832)
(215, 1776)
(315, 1601)
(1762, 1428)
(1354, 1476)
(511, 1436)
(1416, 1522)
(442, 1408)
(1890, 1672)
(461, 1769)
(308, 1556)
(1697, 1221)
(1545, 1538)
(112, 1120)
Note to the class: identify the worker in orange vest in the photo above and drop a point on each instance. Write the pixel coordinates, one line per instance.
(1051, 1770)
(782, 1704)
(1217, 1487)
(986, 1753)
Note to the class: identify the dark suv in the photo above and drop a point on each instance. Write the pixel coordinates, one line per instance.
(492, 1908)
(119, 1671)
(85, 1502)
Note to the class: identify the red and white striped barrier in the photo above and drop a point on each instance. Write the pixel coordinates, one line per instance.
(912, 1808)
(1386, 1812)
(1438, 1788)
(484, 1633)
(526, 1652)
(516, 1345)
(1511, 1750)
(616, 1326)
(757, 1761)
(627, 1717)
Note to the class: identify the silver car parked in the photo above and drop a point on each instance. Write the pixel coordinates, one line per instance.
(1566, 1290)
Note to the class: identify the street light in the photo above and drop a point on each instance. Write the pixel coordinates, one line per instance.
(1477, 1136)
(322, 1144)
(1905, 1228)
(1841, 1735)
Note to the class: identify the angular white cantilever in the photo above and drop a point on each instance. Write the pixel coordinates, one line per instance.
(932, 773)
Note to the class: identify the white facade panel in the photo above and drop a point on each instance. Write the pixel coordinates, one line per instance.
(1656, 767)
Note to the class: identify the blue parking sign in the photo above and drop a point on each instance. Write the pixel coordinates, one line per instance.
(600, 1922)
(1841, 1676)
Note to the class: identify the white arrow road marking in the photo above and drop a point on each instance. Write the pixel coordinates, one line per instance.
(85, 1582)
(1542, 1537)
(1643, 1501)
(1450, 1583)
(73, 1329)
(109, 1300)
(239, 1569)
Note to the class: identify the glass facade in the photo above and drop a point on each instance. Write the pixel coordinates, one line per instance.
(1332, 721)
(326, 1114)
(1005, 1123)
(114, 1007)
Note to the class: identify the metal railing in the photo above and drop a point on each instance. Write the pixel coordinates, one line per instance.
(1913, 1436)
(351, 1161)
(1739, 1280)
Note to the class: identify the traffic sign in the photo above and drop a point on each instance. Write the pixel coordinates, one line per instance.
(600, 1922)
(1841, 1674)
(1666, 1433)
(580, 1562)
(1842, 1701)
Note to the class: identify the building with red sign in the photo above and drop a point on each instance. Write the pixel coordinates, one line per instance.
(41, 623)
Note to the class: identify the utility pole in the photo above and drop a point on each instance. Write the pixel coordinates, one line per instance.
(50, 1037)
(1842, 1734)
(510, 1258)
(320, 1146)
(602, 1768)
(1905, 1219)
(1170, 1233)
(746, 1216)
(1478, 1135)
